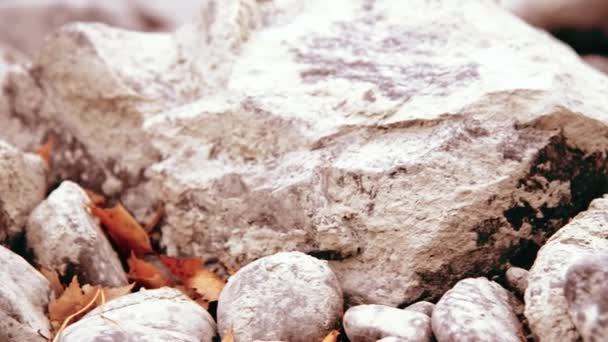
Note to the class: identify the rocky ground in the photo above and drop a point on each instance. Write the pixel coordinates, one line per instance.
(356, 170)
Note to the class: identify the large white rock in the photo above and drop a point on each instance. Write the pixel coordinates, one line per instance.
(24, 296)
(22, 187)
(370, 323)
(410, 143)
(546, 305)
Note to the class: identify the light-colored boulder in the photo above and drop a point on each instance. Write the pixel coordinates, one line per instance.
(476, 309)
(369, 323)
(65, 236)
(22, 187)
(518, 279)
(586, 292)
(423, 307)
(368, 134)
(24, 296)
(546, 305)
(287, 296)
(159, 315)
(555, 14)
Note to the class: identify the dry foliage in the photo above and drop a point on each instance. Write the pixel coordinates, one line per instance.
(45, 150)
(229, 337)
(332, 336)
(146, 274)
(123, 229)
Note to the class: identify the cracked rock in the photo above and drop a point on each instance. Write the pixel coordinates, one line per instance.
(369, 323)
(24, 296)
(22, 187)
(64, 236)
(476, 309)
(586, 292)
(546, 304)
(149, 315)
(381, 130)
(286, 296)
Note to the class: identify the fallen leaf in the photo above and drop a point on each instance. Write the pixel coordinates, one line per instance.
(45, 150)
(207, 284)
(229, 337)
(183, 268)
(70, 301)
(157, 216)
(108, 293)
(95, 198)
(54, 281)
(146, 274)
(123, 229)
(332, 336)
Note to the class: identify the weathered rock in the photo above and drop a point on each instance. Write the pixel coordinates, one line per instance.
(586, 292)
(65, 237)
(555, 14)
(393, 339)
(159, 315)
(546, 305)
(476, 310)
(24, 296)
(598, 62)
(377, 128)
(22, 187)
(369, 323)
(423, 307)
(286, 296)
(518, 279)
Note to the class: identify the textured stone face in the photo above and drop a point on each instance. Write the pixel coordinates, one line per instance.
(154, 315)
(24, 296)
(476, 310)
(369, 323)
(66, 237)
(286, 296)
(546, 303)
(517, 279)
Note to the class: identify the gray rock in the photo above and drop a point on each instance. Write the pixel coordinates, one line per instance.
(369, 323)
(22, 187)
(556, 14)
(546, 305)
(476, 310)
(24, 296)
(518, 279)
(392, 339)
(159, 315)
(287, 296)
(423, 307)
(66, 237)
(586, 292)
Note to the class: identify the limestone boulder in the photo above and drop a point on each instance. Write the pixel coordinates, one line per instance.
(370, 323)
(411, 145)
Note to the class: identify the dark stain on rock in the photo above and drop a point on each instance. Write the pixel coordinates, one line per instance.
(486, 229)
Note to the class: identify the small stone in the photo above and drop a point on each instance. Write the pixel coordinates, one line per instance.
(22, 187)
(476, 309)
(369, 323)
(393, 339)
(65, 237)
(24, 296)
(164, 314)
(287, 296)
(586, 292)
(423, 307)
(517, 279)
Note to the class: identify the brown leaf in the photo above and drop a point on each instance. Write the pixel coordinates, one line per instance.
(123, 229)
(157, 216)
(146, 274)
(182, 268)
(71, 301)
(207, 284)
(332, 336)
(45, 150)
(95, 198)
(54, 281)
(229, 337)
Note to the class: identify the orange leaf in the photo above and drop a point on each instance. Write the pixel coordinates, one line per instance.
(332, 336)
(95, 198)
(229, 337)
(70, 301)
(207, 284)
(45, 150)
(146, 274)
(183, 268)
(157, 216)
(123, 229)
(54, 281)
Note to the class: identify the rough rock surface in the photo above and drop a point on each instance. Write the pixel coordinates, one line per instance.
(423, 307)
(326, 136)
(586, 292)
(476, 310)
(546, 305)
(153, 315)
(22, 187)
(287, 296)
(369, 323)
(64, 236)
(518, 279)
(554, 14)
(24, 296)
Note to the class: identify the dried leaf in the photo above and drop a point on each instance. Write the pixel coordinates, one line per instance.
(207, 284)
(123, 229)
(146, 274)
(108, 293)
(183, 268)
(95, 198)
(332, 336)
(229, 337)
(71, 300)
(54, 281)
(45, 150)
(157, 216)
